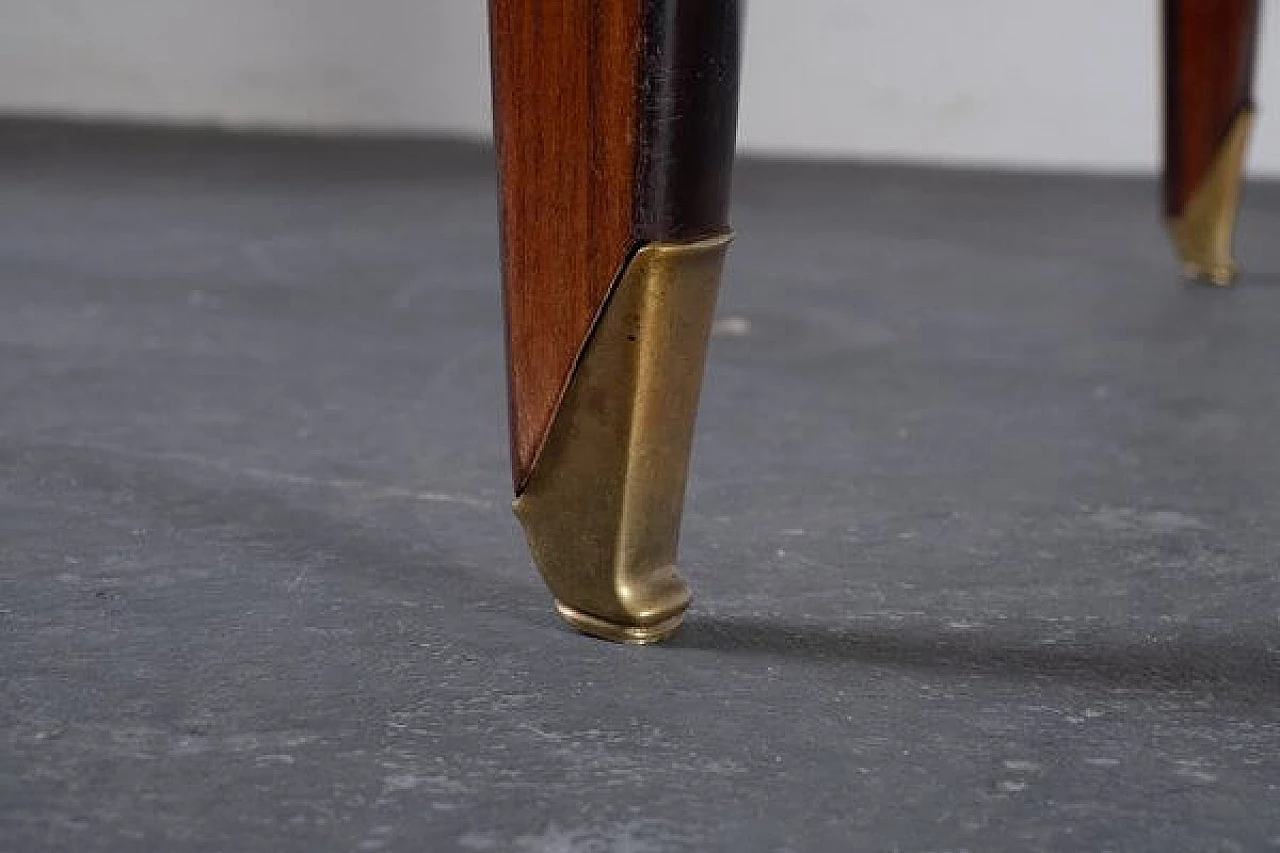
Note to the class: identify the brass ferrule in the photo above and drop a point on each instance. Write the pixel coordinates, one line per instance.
(603, 504)
(1203, 233)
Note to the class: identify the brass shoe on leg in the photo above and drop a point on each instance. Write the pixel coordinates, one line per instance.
(1203, 233)
(603, 503)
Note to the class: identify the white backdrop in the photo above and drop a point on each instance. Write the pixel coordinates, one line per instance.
(1047, 83)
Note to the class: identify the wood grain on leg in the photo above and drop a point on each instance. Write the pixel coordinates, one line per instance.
(565, 75)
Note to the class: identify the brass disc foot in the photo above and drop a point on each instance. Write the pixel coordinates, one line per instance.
(629, 634)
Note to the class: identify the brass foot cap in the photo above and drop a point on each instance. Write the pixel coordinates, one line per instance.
(635, 635)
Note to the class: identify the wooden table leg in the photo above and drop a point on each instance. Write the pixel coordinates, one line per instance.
(615, 123)
(1209, 49)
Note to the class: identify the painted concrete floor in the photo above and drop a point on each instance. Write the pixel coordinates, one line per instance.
(984, 523)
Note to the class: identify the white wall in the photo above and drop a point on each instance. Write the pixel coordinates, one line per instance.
(1058, 83)
(392, 64)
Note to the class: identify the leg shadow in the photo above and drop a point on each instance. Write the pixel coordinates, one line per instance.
(1243, 665)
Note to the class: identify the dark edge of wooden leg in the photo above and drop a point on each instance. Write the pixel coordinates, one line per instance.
(689, 118)
(1170, 12)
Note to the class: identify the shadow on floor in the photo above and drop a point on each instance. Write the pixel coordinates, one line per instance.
(1243, 666)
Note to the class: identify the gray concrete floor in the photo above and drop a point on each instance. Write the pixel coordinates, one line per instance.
(984, 523)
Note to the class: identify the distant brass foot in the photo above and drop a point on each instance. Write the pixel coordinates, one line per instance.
(1203, 233)
(602, 506)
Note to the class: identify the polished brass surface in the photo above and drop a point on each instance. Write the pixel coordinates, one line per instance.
(608, 630)
(1204, 231)
(602, 507)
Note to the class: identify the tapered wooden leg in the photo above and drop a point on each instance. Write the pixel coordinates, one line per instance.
(1209, 49)
(615, 123)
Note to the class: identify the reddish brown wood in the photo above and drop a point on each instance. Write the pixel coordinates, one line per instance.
(1209, 59)
(565, 77)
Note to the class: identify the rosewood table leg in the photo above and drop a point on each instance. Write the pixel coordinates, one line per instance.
(1209, 48)
(615, 123)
